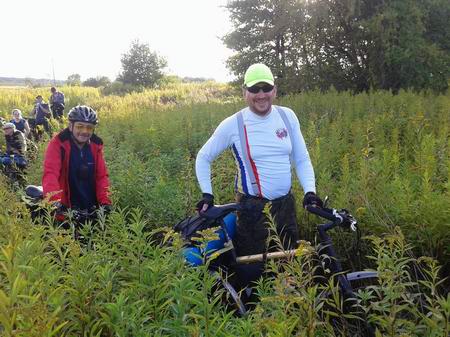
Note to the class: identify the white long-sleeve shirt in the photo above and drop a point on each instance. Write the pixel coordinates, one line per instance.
(270, 149)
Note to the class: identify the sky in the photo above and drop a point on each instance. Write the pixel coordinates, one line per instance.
(88, 37)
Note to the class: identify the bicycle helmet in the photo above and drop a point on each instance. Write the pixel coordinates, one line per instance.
(9, 126)
(83, 113)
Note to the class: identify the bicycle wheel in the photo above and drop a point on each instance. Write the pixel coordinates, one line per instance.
(362, 279)
(232, 299)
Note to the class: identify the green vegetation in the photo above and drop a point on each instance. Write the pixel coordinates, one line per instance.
(355, 45)
(96, 82)
(384, 157)
(141, 66)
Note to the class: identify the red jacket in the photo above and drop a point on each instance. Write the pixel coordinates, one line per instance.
(55, 180)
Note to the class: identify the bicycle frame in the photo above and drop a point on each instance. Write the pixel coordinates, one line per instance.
(326, 245)
(338, 218)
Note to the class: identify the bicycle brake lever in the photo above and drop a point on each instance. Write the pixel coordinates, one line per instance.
(353, 222)
(353, 225)
(337, 215)
(325, 201)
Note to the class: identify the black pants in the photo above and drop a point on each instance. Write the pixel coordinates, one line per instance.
(253, 231)
(252, 227)
(45, 124)
(57, 110)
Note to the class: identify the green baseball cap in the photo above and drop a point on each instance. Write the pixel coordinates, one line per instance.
(257, 73)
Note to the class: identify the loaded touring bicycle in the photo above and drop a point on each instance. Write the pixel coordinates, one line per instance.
(221, 250)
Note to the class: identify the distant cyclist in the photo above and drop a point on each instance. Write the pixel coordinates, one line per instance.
(57, 104)
(16, 147)
(75, 174)
(40, 114)
(20, 122)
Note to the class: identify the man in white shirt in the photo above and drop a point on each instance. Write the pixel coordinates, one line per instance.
(266, 141)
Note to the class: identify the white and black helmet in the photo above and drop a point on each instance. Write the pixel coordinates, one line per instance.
(83, 113)
(9, 125)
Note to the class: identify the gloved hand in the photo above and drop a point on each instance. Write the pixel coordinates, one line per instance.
(107, 208)
(59, 208)
(60, 211)
(311, 199)
(206, 202)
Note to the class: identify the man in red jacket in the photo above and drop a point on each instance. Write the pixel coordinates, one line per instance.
(75, 173)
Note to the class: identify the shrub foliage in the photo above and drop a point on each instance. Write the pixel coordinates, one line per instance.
(384, 157)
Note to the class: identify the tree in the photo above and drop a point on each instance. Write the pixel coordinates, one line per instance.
(141, 66)
(411, 48)
(73, 80)
(264, 32)
(350, 45)
(96, 82)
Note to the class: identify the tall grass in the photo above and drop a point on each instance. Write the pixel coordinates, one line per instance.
(384, 157)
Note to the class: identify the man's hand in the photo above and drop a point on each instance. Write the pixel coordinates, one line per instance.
(107, 208)
(58, 206)
(311, 199)
(60, 210)
(205, 203)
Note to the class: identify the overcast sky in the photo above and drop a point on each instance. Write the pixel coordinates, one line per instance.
(88, 37)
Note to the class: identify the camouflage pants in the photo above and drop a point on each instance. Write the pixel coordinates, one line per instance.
(253, 228)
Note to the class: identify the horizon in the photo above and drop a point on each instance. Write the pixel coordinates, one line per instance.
(95, 34)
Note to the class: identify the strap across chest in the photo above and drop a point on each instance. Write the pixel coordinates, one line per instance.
(245, 148)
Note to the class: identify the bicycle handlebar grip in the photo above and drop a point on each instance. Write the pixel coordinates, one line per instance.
(325, 213)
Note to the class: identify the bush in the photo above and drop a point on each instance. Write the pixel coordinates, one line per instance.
(120, 89)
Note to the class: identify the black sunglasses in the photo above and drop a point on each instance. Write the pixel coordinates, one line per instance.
(256, 88)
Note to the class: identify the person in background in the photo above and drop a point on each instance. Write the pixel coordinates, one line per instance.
(266, 141)
(20, 122)
(57, 104)
(40, 114)
(16, 147)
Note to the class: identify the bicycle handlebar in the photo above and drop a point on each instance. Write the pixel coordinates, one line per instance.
(220, 211)
(325, 213)
(342, 217)
(76, 215)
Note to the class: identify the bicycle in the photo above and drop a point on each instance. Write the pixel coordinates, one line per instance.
(78, 220)
(224, 217)
(14, 172)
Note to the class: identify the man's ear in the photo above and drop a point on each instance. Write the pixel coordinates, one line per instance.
(70, 126)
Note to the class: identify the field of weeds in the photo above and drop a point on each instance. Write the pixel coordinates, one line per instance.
(385, 158)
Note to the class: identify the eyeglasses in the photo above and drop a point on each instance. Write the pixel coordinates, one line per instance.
(256, 88)
(81, 127)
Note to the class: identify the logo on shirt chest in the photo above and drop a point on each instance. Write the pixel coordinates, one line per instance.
(281, 133)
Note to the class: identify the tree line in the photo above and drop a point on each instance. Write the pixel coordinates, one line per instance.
(354, 45)
(141, 68)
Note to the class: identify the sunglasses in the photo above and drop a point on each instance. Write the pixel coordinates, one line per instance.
(256, 88)
(81, 127)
